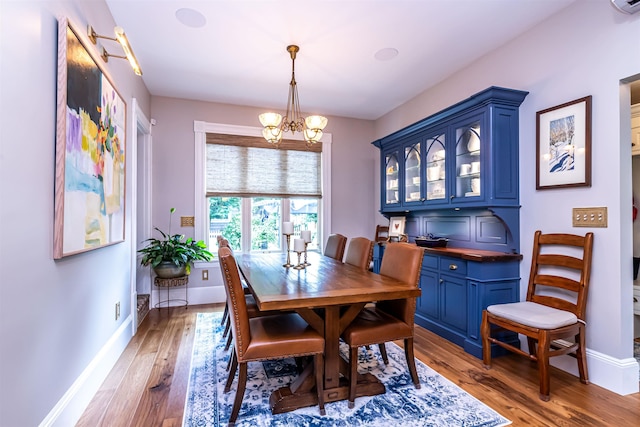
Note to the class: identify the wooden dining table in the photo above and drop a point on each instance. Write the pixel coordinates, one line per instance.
(328, 294)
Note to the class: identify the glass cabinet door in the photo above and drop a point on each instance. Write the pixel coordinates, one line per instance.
(391, 179)
(436, 177)
(468, 166)
(412, 173)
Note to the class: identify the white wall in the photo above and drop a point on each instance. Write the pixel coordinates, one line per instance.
(57, 324)
(584, 50)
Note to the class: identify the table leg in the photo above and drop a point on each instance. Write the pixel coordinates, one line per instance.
(301, 392)
(331, 347)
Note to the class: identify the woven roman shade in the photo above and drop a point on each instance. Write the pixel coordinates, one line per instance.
(245, 166)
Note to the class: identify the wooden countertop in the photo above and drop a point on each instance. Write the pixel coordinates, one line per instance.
(477, 255)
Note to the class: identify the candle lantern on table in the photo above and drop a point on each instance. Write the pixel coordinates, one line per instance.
(306, 236)
(287, 230)
(298, 247)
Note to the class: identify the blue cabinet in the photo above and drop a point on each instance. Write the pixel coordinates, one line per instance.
(456, 286)
(455, 174)
(463, 156)
(456, 290)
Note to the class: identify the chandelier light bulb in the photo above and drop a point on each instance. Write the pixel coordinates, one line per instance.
(316, 122)
(273, 135)
(270, 119)
(312, 135)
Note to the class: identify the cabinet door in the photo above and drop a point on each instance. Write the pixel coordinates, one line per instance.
(391, 179)
(453, 301)
(435, 168)
(635, 129)
(412, 178)
(427, 303)
(635, 140)
(468, 159)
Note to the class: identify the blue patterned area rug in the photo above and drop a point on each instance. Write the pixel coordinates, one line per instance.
(439, 402)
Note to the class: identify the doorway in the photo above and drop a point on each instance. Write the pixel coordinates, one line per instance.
(140, 164)
(635, 188)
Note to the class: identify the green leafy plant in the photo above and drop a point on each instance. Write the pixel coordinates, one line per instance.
(174, 248)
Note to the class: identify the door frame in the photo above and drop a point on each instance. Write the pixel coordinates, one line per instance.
(141, 199)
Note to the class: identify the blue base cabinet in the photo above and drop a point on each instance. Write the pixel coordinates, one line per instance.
(457, 285)
(455, 291)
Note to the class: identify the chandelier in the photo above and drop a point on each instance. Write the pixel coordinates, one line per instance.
(274, 124)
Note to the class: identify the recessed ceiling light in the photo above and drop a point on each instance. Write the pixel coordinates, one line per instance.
(191, 18)
(386, 54)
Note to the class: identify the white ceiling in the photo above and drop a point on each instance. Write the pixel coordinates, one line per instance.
(238, 55)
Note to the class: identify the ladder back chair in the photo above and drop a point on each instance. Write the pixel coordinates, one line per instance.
(382, 233)
(554, 309)
(263, 338)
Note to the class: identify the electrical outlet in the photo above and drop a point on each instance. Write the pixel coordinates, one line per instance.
(205, 274)
(117, 310)
(590, 217)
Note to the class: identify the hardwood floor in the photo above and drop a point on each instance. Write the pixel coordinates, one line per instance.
(148, 385)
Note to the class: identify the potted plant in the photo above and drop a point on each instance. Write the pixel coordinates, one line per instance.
(173, 255)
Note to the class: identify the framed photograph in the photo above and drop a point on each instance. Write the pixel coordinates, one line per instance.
(563, 137)
(90, 151)
(396, 226)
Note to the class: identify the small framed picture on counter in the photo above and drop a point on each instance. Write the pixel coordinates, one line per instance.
(396, 226)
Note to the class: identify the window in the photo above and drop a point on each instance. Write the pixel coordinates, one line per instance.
(263, 224)
(250, 188)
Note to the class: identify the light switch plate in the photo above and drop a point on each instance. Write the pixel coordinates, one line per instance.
(590, 217)
(186, 221)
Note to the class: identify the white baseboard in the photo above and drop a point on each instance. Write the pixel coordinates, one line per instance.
(617, 375)
(70, 407)
(195, 296)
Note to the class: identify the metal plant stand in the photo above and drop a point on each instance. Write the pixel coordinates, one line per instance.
(172, 283)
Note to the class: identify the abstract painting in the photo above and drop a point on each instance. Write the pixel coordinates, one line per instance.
(564, 145)
(90, 151)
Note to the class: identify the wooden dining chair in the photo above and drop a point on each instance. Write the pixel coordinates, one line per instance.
(222, 242)
(335, 246)
(387, 320)
(359, 252)
(382, 233)
(252, 305)
(555, 306)
(265, 338)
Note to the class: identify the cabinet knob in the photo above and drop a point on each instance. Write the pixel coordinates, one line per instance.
(453, 267)
(451, 197)
(441, 280)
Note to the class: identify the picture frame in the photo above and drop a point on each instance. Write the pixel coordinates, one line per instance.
(90, 172)
(396, 226)
(563, 142)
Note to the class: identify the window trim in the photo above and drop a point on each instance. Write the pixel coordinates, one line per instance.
(201, 128)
